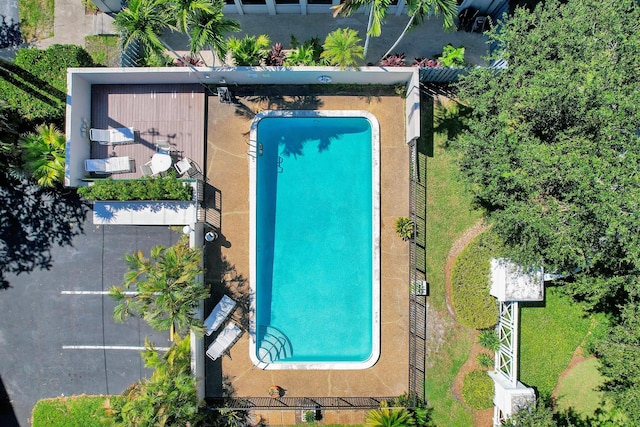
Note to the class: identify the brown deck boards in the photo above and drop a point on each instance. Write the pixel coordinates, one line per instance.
(175, 113)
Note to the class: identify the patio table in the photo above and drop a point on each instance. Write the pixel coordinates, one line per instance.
(161, 162)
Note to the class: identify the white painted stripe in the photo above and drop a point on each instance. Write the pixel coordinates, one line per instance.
(109, 347)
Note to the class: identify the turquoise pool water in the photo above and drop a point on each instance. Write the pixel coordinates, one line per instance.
(314, 240)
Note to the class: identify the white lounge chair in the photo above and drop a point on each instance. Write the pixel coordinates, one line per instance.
(219, 314)
(108, 165)
(223, 341)
(112, 136)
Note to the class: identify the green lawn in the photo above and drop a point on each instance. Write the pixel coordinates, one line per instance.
(549, 335)
(449, 214)
(104, 49)
(36, 19)
(76, 411)
(577, 390)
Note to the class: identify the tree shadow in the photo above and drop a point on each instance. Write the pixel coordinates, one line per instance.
(30, 83)
(7, 414)
(33, 220)
(450, 118)
(9, 33)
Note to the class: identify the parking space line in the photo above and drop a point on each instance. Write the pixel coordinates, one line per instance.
(94, 293)
(109, 347)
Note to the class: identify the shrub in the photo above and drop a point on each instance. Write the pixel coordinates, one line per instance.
(404, 227)
(489, 339)
(477, 390)
(167, 188)
(276, 56)
(426, 63)
(470, 283)
(394, 60)
(485, 360)
(35, 85)
(452, 56)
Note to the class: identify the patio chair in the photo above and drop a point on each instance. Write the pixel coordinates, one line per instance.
(183, 166)
(224, 341)
(112, 136)
(108, 165)
(163, 146)
(218, 315)
(147, 169)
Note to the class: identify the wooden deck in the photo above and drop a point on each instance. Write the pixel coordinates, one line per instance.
(175, 113)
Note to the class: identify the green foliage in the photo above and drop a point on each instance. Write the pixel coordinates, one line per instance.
(74, 411)
(307, 54)
(250, 50)
(168, 398)
(549, 335)
(420, 411)
(309, 416)
(90, 6)
(404, 228)
(389, 417)
(143, 21)
(342, 48)
(619, 355)
(536, 415)
(485, 360)
(208, 29)
(167, 288)
(158, 188)
(488, 338)
(36, 19)
(43, 154)
(477, 390)
(104, 49)
(473, 304)
(554, 161)
(452, 56)
(35, 84)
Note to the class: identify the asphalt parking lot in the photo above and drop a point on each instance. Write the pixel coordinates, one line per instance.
(58, 336)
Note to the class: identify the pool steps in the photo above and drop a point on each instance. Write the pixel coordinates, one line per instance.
(273, 345)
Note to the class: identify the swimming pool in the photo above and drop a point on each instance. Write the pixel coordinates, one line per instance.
(314, 240)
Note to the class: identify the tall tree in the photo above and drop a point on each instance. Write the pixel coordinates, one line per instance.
(342, 48)
(208, 29)
(377, 13)
(143, 21)
(167, 289)
(43, 152)
(553, 148)
(183, 10)
(420, 10)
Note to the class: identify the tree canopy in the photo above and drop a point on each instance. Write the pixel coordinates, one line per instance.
(552, 147)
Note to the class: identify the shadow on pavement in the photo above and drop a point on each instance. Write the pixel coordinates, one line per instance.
(33, 220)
(7, 415)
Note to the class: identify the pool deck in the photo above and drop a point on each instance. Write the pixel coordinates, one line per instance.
(227, 171)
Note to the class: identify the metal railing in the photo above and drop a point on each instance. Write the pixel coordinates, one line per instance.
(292, 403)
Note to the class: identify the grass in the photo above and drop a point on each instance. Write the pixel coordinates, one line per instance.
(36, 19)
(75, 411)
(104, 49)
(449, 214)
(549, 335)
(577, 390)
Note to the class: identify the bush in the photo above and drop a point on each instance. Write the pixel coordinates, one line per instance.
(35, 85)
(404, 227)
(477, 390)
(473, 304)
(86, 411)
(485, 360)
(489, 339)
(166, 188)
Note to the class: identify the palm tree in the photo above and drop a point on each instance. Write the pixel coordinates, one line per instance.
(167, 289)
(420, 10)
(43, 153)
(207, 30)
(183, 10)
(377, 13)
(342, 48)
(389, 417)
(250, 50)
(142, 21)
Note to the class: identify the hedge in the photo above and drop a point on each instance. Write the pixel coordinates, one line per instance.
(478, 390)
(35, 84)
(470, 278)
(73, 411)
(165, 188)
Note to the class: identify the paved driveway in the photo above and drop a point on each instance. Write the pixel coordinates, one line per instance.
(58, 336)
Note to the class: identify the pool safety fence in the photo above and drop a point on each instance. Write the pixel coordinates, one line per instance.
(296, 403)
(418, 286)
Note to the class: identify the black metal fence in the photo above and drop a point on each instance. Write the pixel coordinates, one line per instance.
(292, 403)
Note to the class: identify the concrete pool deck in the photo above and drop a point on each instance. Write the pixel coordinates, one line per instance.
(227, 172)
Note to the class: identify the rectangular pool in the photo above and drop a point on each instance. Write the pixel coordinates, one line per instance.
(314, 240)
